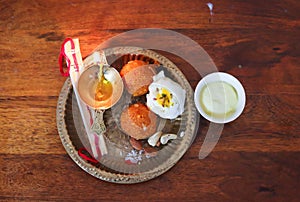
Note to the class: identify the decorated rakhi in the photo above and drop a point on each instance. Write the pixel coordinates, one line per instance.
(70, 51)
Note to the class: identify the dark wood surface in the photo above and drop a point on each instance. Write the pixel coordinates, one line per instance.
(258, 155)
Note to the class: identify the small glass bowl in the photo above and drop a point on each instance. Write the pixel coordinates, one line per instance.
(87, 87)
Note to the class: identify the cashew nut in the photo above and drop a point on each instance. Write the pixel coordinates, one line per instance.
(154, 138)
(166, 137)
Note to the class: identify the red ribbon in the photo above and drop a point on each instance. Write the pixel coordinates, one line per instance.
(83, 153)
(62, 55)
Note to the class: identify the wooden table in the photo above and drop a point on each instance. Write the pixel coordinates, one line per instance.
(258, 155)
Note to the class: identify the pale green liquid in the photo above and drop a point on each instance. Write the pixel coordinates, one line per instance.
(218, 99)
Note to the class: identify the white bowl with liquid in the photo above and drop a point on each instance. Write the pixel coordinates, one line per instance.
(220, 97)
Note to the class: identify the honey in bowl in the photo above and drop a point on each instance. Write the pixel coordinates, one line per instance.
(103, 90)
(100, 93)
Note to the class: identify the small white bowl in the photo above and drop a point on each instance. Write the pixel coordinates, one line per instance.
(229, 79)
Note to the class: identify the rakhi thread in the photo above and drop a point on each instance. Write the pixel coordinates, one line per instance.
(81, 153)
(62, 55)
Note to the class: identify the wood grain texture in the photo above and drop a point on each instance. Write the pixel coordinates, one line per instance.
(258, 155)
(222, 176)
